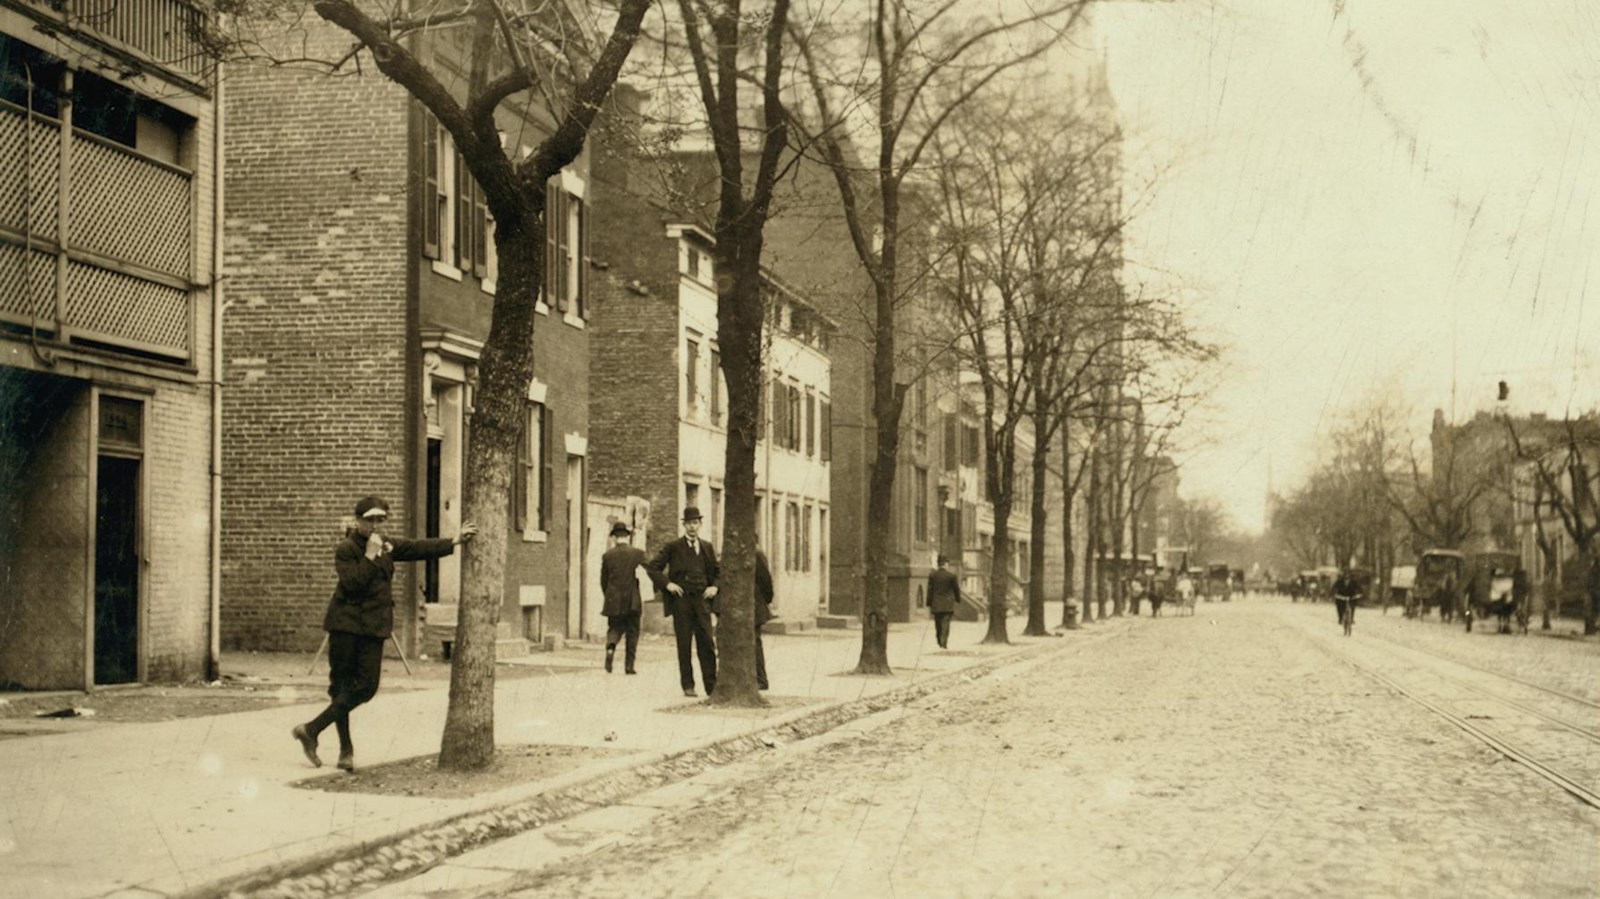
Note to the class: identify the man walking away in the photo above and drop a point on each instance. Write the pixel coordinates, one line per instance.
(944, 592)
(360, 618)
(619, 584)
(764, 594)
(686, 569)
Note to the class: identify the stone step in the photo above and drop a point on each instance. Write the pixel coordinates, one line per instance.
(838, 622)
(789, 626)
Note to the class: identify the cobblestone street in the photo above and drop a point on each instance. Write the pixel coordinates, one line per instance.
(1230, 753)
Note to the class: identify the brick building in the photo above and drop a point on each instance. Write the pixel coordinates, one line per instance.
(660, 449)
(362, 266)
(108, 407)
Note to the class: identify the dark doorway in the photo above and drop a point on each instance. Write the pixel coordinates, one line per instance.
(430, 524)
(116, 572)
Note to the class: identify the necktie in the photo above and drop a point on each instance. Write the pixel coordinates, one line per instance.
(695, 545)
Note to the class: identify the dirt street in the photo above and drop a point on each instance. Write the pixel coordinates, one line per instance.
(1221, 754)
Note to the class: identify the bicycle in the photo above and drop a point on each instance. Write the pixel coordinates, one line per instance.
(1347, 612)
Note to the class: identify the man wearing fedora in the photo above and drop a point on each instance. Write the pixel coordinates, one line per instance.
(686, 569)
(944, 593)
(619, 584)
(360, 618)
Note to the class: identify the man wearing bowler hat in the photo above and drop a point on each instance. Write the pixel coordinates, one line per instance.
(619, 584)
(360, 618)
(686, 569)
(944, 594)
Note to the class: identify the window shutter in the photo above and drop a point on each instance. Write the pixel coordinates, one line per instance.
(548, 432)
(811, 424)
(583, 259)
(827, 431)
(563, 252)
(952, 449)
(430, 191)
(480, 232)
(463, 258)
(519, 486)
(551, 225)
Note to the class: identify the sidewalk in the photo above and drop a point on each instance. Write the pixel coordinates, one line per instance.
(169, 808)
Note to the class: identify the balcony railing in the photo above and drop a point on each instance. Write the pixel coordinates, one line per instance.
(129, 246)
(166, 32)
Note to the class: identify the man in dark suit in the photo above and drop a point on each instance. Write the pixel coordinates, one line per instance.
(686, 569)
(360, 618)
(619, 584)
(944, 591)
(764, 594)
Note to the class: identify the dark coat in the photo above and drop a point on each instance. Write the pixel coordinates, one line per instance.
(764, 591)
(677, 564)
(944, 591)
(363, 601)
(619, 582)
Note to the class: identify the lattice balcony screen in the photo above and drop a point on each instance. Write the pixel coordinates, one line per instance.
(129, 208)
(15, 289)
(15, 172)
(105, 305)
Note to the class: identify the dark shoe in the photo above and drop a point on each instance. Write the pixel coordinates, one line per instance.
(630, 671)
(690, 693)
(610, 652)
(761, 686)
(308, 744)
(347, 762)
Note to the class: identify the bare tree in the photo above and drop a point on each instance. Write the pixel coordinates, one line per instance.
(922, 62)
(512, 49)
(716, 34)
(1563, 465)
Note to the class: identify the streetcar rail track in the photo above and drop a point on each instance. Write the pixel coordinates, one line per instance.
(1510, 677)
(1572, 786)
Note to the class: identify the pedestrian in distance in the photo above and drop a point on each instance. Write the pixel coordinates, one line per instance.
(764, 595)
(1346, 592)
(619, 585)
(1158, 594)
(360, 618)
(944, 593)
(686, 571)
(1135, 594)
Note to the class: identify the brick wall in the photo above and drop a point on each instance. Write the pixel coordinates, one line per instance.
(633, 367)
(315, 336)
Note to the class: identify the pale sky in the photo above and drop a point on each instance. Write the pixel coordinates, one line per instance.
(1360, 195)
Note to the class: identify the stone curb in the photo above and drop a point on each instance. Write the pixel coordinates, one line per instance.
(411, 851)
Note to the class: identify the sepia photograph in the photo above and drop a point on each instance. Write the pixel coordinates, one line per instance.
(799, 448)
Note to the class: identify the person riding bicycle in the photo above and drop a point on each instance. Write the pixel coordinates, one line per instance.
(1346, 590)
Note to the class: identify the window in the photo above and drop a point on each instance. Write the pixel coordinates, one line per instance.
(530, 497)
(780, 413)
(775, 506)
(691, 494)
(969, 446)
(919, 512)
(795, 422)
(566, 276)
(691, 372)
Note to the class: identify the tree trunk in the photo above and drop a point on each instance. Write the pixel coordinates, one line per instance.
(1068, 555)
(999, 572)
(740, 314)
(887, 399)
(1101, 510)
(1091, 538)
(1041, 470)
(505, 369)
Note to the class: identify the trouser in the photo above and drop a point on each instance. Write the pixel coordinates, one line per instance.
(355, 663)
(1344, 605)
(941, 628)
(761, 662)
(691, 622)
(620, 627)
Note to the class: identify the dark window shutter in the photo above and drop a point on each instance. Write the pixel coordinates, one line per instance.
(463, 222)
(548, 433)
(827, 431)
(430, 191)
(811, 424)
(480, 232)
(583, 259)
(562, 245)
(952, 448)
(519, 485)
